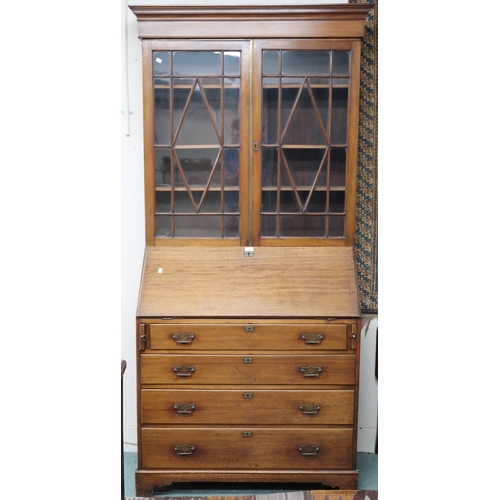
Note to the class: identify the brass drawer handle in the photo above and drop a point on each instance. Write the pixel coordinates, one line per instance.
(310, 408)
(184, 408)
(184, 449)
(311, 371)
(183, 371)
(309, 450)
(183, 337)
(312, 338)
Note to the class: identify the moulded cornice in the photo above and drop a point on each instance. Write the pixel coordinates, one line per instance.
(338, 11)
(259, 21)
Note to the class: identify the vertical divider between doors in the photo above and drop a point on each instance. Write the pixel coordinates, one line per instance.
(250, 198)
(245, 147)
(256, 137)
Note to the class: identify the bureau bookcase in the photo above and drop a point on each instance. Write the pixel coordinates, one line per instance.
(248, 316)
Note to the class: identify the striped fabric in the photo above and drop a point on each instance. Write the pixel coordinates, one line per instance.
(290, 495)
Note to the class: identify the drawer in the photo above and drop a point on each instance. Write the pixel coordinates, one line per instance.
(288, 369)
(247, 448)
(247, 337)
(248, 407)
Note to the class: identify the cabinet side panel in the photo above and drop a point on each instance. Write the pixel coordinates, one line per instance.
(148, 98)
(352, 153)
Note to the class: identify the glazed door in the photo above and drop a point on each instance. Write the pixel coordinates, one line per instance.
(251, 142)
(305, 100)
(196, 125)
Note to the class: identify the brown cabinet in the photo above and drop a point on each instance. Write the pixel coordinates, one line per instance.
(248, 316)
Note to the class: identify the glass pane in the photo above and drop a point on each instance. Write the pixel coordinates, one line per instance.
(199, 63)
(321, 94)
(292, 82)
(268, 225)
(307, 62)
(161, 63)
(197, 165)
(163, 199)
(198, 226)
(336, 226)
(198, 121)
(270, 114)
(232, 63)
(340, 82)
(161, 83)
(162, 116)
(289, 203)
(304, 165)
(270, 83)
(337, 167)
(270, 62)
(183, 203)
(308, 122)
(337, 201)
(269, 201)
(339, 115)
(212, 202)
(231, 226)
(231, 167)
(317, 203)
(162, 167)
(231, 201)
(233, 83)
(231, 114)
(288, 98)
(301, 226)
(163, 226)
(269, 166)
(341, 63)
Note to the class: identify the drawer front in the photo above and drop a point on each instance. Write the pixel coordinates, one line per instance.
(246, 337)
(190, 369)
(247, 448)
(247, 407)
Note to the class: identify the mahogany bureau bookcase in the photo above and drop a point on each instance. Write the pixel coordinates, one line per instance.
(248, 316)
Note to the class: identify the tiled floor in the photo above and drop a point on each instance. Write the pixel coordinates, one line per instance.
(367, 464)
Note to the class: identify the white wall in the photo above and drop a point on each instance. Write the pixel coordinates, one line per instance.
(133, 232)
(133, 225)
(368, 386)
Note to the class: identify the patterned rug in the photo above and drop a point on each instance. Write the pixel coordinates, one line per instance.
(367, 194)
(291, 495)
